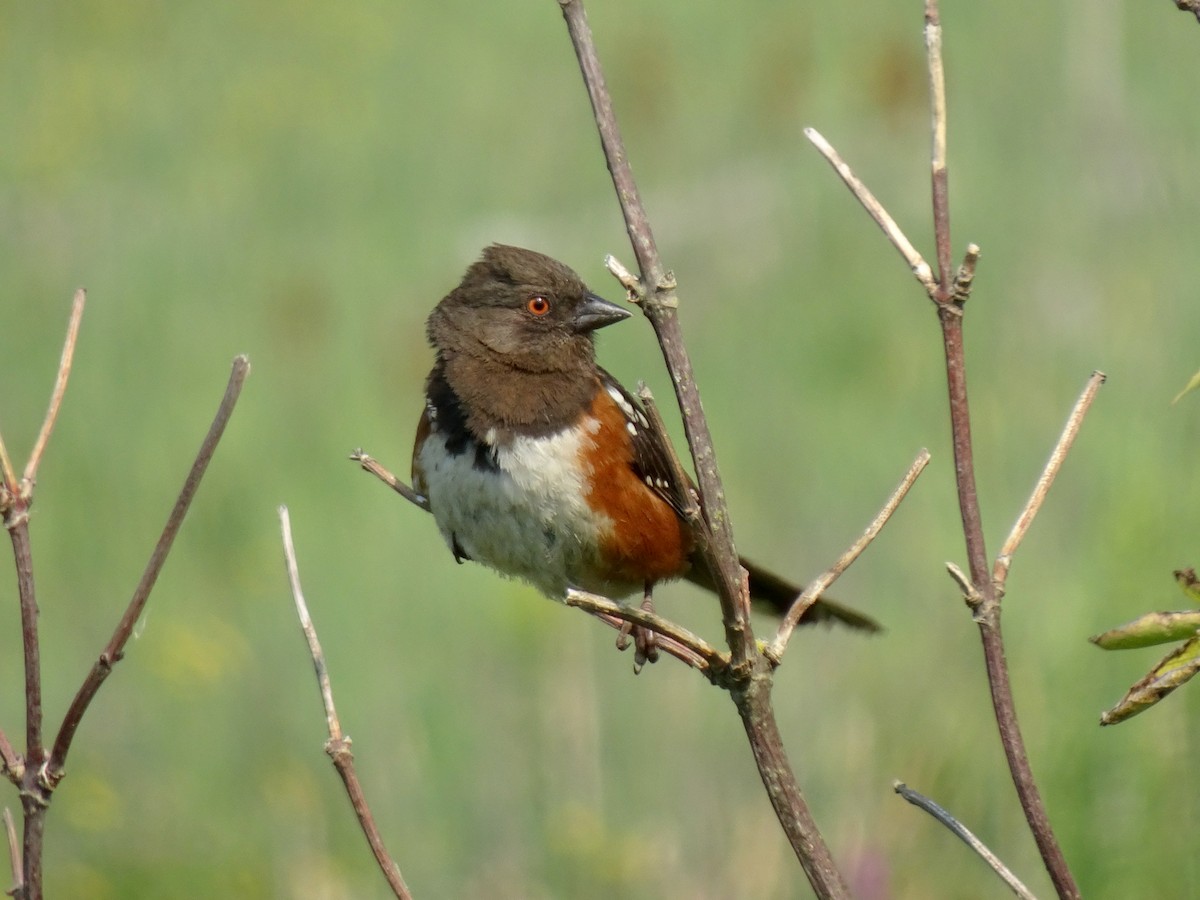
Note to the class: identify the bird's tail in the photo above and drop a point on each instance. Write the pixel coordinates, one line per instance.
(774, 594)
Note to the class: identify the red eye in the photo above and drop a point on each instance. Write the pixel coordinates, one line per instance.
(538, 305)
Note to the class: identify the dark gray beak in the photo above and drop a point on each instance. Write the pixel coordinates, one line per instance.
(596, 312)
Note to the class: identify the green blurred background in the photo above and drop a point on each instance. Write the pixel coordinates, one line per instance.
(303, 181)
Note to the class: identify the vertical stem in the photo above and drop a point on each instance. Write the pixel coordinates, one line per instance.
(964, 462)
(754, 705)
(750, 675)
(660, 305)
(987, 611)
(19, 533)
(32, 793)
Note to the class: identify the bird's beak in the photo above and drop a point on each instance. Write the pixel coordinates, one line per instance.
(596, 312)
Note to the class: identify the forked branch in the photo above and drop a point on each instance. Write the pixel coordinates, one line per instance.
(983, 591)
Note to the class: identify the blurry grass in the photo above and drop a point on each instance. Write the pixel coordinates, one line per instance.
(302, 183)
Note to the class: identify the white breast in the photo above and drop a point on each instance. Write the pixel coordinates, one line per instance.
(528, 520)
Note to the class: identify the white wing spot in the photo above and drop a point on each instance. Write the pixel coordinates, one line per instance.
(619, 399)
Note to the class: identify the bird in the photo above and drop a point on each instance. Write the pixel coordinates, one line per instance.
(538, 463)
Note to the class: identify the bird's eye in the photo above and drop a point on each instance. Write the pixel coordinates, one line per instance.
(538, 305)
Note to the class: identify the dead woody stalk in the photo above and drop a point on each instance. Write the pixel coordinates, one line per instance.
(38, 771)
(983, 586)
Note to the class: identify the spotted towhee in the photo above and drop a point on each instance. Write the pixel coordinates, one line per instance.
(536, 462)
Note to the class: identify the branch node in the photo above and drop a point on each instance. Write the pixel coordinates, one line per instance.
(965, 275)
(970, 593)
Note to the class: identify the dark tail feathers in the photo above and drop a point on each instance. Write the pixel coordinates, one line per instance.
(774, 594)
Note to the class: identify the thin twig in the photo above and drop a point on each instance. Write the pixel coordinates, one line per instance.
(113, 651)
(8, 479)
(937, 156)
(1049, 473)
(966, 836)
(916, 263)
(370, 464)
(338, 745)
(709, 656)
(666, 644)
(60, 388)
(14, 767)
(14, 853)
(775, 649)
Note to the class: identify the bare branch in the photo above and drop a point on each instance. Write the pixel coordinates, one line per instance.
(332, 722)
(338, 745)
(660, 304)
(1057, 456)
(937, 155)
(749, 676)
(964, 834)
(113, 651)
(775, 650)
(370, 464)
(10, 487)
(699, 650)
(14, 854)
(876, 210)
(627, 279)
(13, 765)
(60, 388)
(949, 294)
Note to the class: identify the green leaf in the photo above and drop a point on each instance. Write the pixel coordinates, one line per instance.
(1152, 628)
(1175, 669)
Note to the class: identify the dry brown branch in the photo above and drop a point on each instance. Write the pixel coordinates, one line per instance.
(14, 854)
(115, 648)
(338, 745)
(698, 653)
(949, 293)
(15, 500)
(370, 464)
(60, 388)
(965, 834)
(656, 291)
(748, 678)
(1053, 465)
(13, 766)
(10, 487)
(876, 210)
(775, 650)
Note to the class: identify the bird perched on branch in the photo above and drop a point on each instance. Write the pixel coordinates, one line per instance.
(536, 462)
